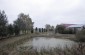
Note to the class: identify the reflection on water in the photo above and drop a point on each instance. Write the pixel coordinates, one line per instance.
(48, 43)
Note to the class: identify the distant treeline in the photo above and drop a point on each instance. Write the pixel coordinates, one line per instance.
(22, 25)
(62, 30)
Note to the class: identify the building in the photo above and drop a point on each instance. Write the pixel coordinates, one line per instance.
(67, 25)
(76, 27)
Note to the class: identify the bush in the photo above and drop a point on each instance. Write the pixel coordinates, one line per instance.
(65, 32)
(70, 31)
(81, 36)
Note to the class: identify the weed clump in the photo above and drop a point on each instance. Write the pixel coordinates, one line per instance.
(81, 36)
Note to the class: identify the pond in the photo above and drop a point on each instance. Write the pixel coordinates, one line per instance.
(48, 43)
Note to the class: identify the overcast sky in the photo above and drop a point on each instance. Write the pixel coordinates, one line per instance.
(46, 11)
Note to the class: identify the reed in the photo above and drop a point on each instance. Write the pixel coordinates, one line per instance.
(75, 50)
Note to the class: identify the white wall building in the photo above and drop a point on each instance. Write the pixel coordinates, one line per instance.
(76, 27)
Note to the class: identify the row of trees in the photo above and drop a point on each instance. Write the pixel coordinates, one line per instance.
(40, 30)
(59, 29)
(22, 25)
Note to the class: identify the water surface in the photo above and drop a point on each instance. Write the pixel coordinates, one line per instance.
(48, 43)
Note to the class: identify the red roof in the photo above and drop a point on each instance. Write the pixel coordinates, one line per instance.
(66, 25)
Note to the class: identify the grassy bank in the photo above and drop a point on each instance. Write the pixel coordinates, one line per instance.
(8, 47)
(10, 44)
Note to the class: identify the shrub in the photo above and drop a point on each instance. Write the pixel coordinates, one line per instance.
(69, 31)
(81, 36)
(65, 32)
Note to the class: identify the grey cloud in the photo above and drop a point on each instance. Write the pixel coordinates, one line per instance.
(46, 11)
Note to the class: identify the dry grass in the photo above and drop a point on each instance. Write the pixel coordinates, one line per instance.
(9, 46)
(80, 36)
(76, 50)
